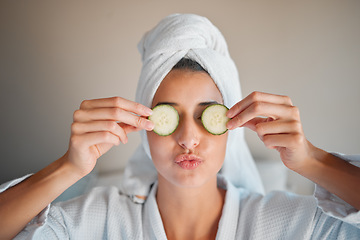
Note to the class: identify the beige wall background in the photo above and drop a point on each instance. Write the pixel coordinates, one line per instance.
(54, 54)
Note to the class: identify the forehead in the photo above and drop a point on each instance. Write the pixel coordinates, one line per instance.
(184, 86)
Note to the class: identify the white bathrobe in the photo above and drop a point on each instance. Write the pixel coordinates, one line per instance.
(105, 213)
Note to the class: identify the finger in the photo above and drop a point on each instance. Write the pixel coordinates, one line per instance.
(253, 122)
(278, 127)
(89, 139)
(128, 128)
(274, 111)
(290, 140)
(113, 114)
(257, 97)
(119, 102)
(99, 126)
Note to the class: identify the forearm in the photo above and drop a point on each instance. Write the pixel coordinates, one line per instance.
(21, 203)
(335, 175)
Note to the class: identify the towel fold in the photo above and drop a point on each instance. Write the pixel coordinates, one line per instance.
(195, 37)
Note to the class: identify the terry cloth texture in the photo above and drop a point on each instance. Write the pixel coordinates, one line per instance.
(104, 213)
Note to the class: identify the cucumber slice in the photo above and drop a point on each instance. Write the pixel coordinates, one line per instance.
(165, 118)
(214, 119)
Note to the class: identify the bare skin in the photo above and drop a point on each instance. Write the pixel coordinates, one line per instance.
(186, 196)
(95, 130)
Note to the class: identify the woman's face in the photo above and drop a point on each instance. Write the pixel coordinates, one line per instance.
(190, 156)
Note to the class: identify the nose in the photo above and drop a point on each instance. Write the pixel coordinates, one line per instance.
(187, 134)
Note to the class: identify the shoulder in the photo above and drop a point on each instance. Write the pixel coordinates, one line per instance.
(102, 212)
(97, 209)
(97, 195)
(276, 202)
(277, 213)
(271, 200)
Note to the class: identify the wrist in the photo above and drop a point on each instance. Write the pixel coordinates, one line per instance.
(320, 166)
(335, 175)
(313, 164)
(67, 167)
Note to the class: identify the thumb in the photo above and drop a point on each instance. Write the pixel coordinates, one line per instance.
(253, 122)
(128, 128)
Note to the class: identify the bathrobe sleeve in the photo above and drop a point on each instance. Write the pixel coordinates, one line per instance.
(285, 215)
(335, 218)
(37, 221)
(333, 205)
(102, 213)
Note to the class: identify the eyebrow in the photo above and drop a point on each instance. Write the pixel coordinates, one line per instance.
(167, 103)
(208, 103)
(200, 104)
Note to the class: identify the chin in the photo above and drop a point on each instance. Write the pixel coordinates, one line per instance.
(187, 179)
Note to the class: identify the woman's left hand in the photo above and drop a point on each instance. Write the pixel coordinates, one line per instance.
(277, 123)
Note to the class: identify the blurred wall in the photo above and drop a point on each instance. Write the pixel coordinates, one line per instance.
(54, 54)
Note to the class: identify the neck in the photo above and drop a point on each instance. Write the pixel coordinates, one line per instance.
(190, 213)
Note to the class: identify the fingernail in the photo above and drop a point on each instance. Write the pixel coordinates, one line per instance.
(229, 114)
(229, 125)
(148, 111)
(149, 125)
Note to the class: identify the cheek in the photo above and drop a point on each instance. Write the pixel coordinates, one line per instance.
(216, 146)
(221, 145)
(220, 150)
(159, 146)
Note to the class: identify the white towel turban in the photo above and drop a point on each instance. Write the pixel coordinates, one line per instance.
(195, 37)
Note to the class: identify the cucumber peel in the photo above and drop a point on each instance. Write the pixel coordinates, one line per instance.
(214, 119)
(166, 119)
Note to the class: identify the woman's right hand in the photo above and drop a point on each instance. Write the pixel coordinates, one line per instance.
(100, 124)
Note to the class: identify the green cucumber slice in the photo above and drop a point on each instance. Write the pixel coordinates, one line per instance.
(214, 119)
(166, 119)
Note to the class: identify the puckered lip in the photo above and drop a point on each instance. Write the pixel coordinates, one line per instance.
(187, 157)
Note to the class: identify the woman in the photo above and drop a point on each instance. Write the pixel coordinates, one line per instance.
(171, 188)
